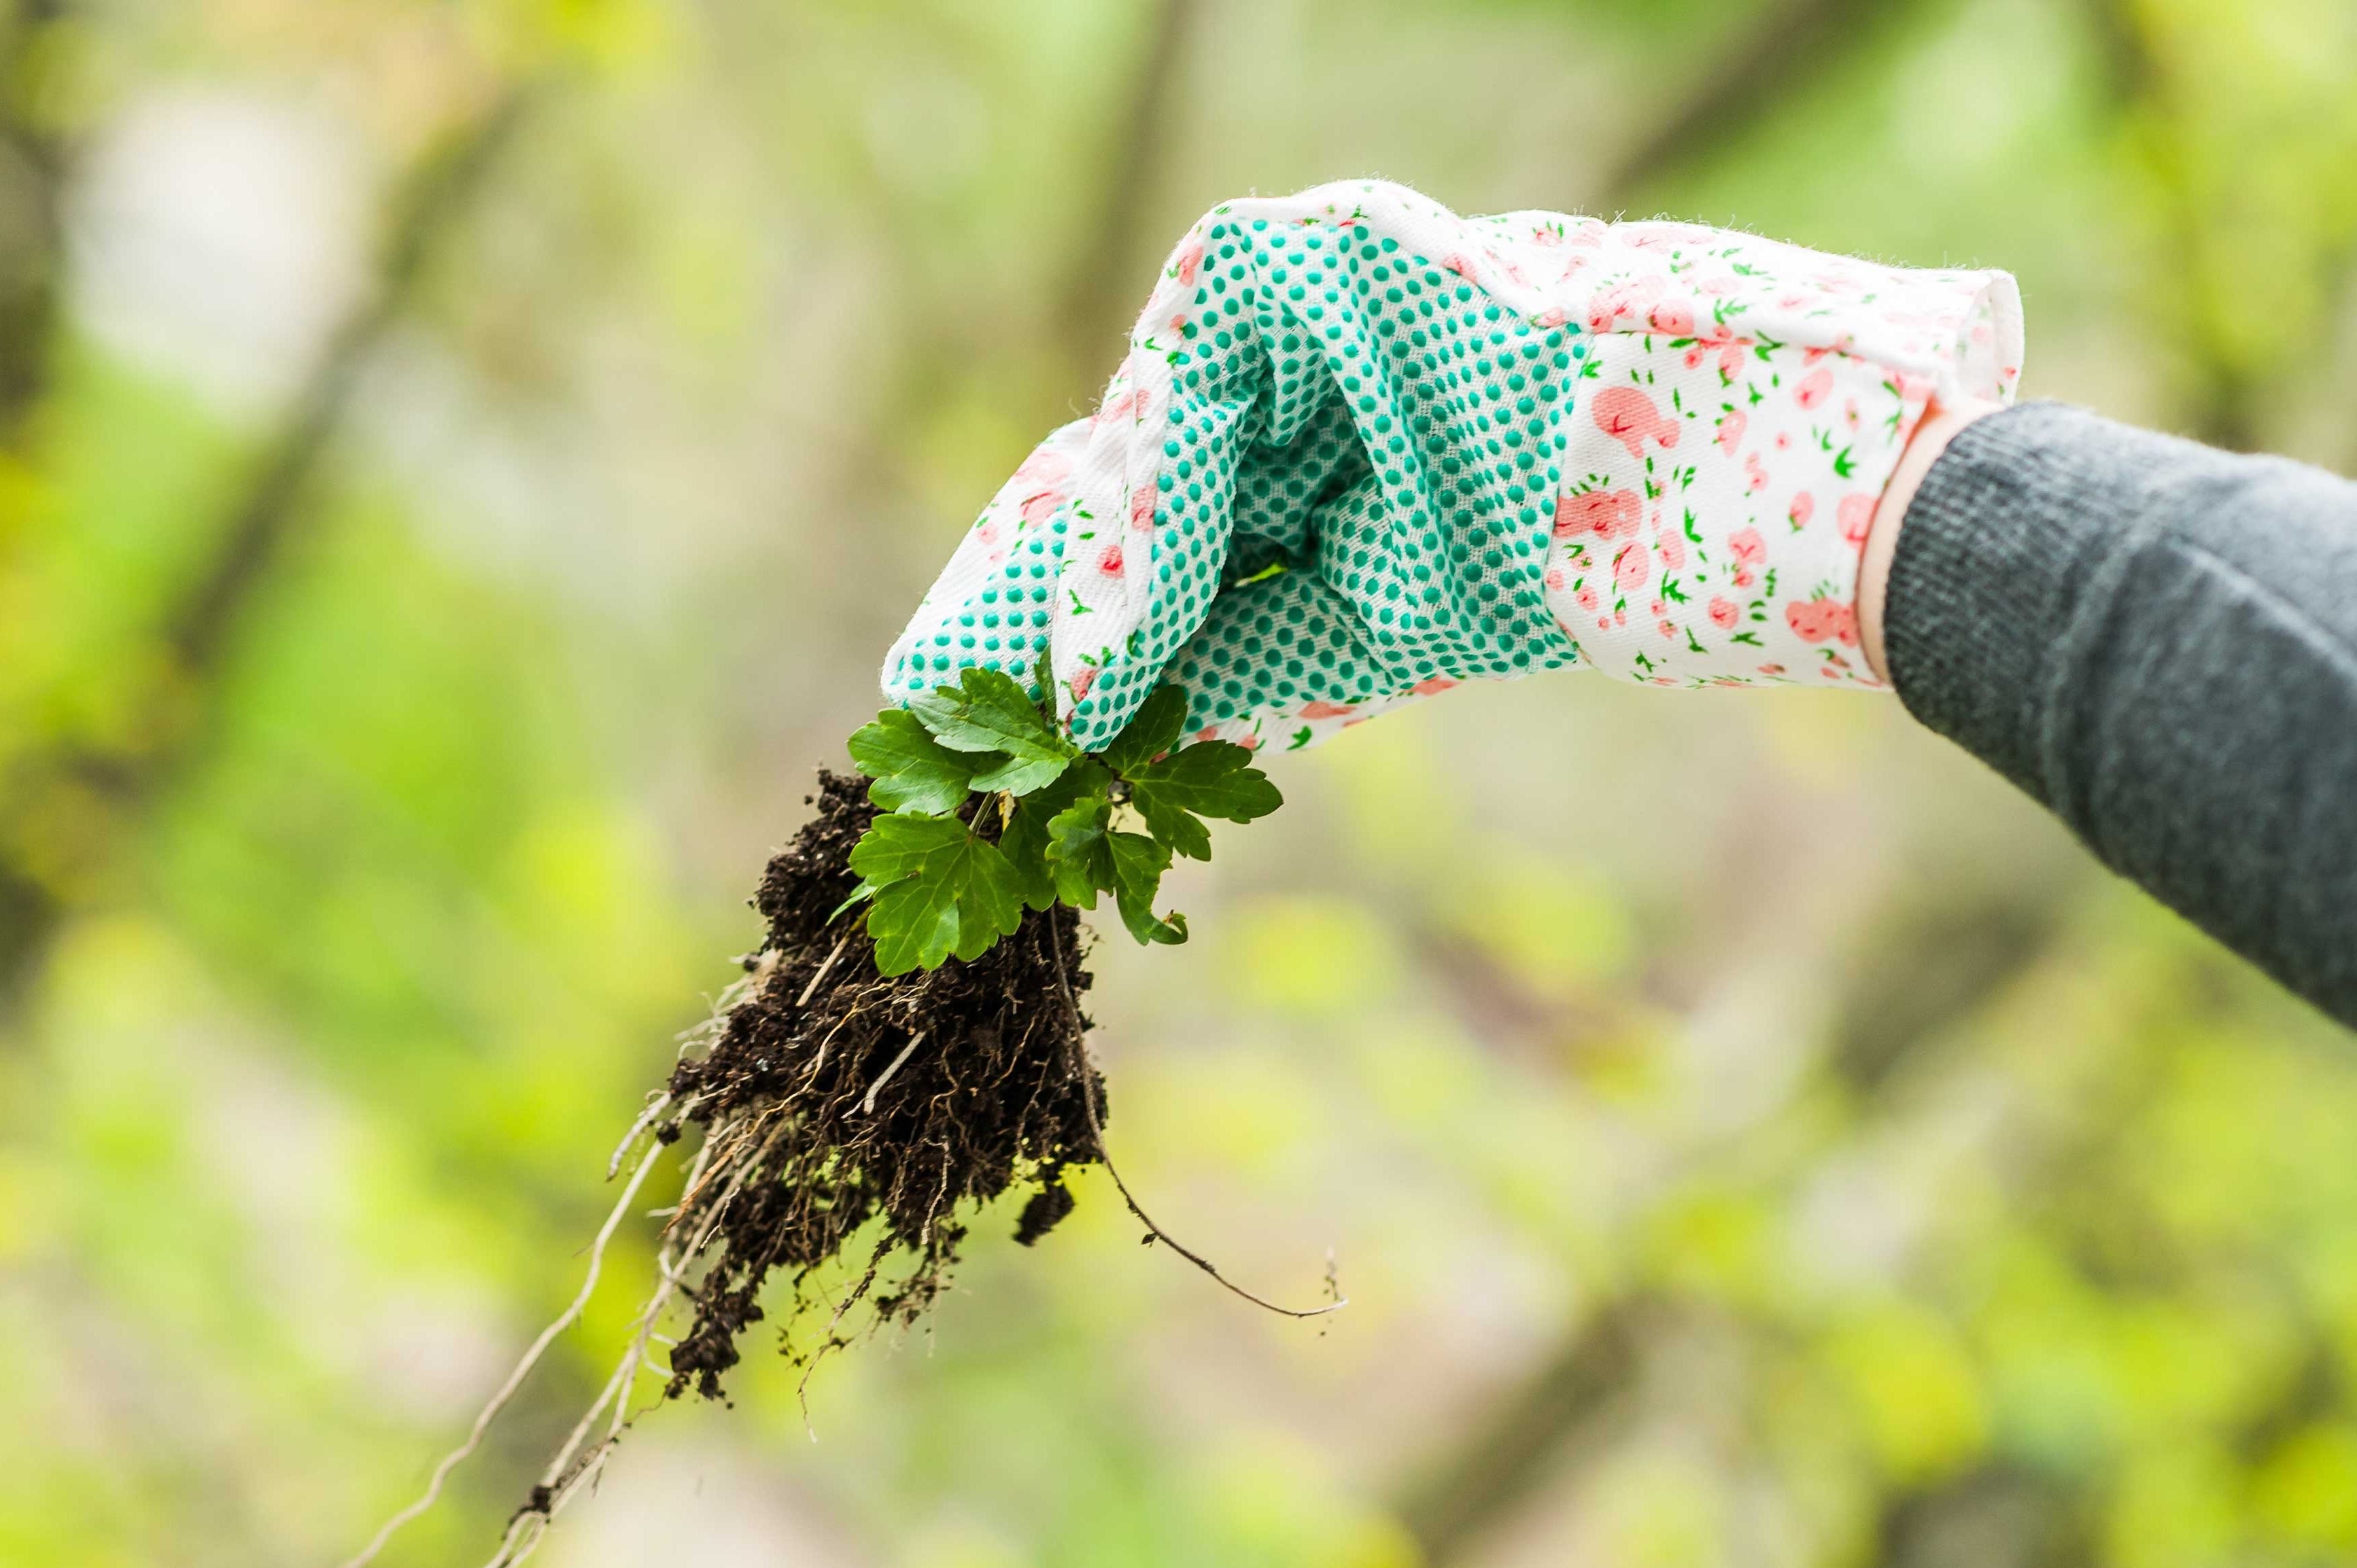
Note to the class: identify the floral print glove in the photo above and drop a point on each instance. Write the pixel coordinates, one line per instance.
(1363, 449)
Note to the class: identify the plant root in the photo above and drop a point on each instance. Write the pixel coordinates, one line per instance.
(1077, 1034)
(836, 1110)
(522, 1370)
(836, 1099)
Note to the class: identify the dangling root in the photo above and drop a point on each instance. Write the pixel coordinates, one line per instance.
(573, 1470)
(498, 1401)
(830, 1100)
(1078, 1037)
(836, 1099)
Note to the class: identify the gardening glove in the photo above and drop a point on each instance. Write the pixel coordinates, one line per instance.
(1362, 450)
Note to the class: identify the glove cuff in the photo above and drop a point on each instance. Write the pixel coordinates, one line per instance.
(1747, 405)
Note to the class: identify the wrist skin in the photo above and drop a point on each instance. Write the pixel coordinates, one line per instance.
(1940, 423)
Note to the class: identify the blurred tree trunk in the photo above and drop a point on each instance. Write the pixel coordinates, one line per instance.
(428, 206)
(1784, 49)
(1084, 311)
(2220, 393)
(1094, 315)
(1507, 1452)
(34, 158)
(109, 791)
(1997, 1515)
(33, 162)
(1530, 1433)
(1927, 968)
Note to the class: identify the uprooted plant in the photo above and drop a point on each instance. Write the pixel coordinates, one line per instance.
(905, 1046)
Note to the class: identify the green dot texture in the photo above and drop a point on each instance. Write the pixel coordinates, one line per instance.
(1355, 415)
(1362, 449)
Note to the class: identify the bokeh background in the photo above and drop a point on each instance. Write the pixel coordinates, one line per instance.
(459, 467)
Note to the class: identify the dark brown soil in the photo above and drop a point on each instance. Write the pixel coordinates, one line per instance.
(833, 1099)
(842, 1124)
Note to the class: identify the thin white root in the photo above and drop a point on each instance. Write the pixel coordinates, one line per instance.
(746, 1168)
(867, 1105)
(573, 1470)
(812, 989)
(655, 1108)
(498, 1401)
(711, 1166)
(1077, 1046)
(819, 1060)
(570, 1471)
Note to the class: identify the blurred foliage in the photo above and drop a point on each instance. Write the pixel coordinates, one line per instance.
(429, 432)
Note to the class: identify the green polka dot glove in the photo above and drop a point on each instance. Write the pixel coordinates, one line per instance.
(1363, 449)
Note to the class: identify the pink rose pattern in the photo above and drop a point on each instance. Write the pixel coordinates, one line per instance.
(1749, 402)
(1741, 405)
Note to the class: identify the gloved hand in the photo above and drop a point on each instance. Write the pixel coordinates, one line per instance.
(1363, 449)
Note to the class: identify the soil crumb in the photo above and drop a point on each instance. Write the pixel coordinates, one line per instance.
(832, 1097)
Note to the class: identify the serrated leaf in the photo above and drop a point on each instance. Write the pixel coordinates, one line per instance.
(1160, 720)
(1025, 840)
(1080, 853)
(1138, 863)
(1211, 778)
(859, 895)
(1023, 775)
(939, 889)
(912, 772)
(987, 711)
(1148, 927)
(1182, 832)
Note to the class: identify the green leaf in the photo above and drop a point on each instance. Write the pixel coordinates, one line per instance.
(988, 712)
(1138, 863)
(1023, 775)
(1025, 840)
(913, 772)
(1080, 854)
(936, 887)
(1160, 720)
(939, 889)
(1211, 778)
(1147, 925)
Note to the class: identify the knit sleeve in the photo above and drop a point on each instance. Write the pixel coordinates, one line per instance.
(2159, 643)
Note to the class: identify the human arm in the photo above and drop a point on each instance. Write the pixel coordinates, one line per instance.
(2157, 640)
(1362, 449)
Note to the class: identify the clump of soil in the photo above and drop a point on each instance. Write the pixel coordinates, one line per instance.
(831, 1103)
(832, 1097)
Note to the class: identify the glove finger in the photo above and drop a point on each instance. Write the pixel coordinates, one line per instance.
(1287, 662)
(994, 603)
(1336, 327)
(1289, 646)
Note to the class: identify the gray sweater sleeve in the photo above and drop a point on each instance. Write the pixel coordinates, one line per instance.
(2158, 642)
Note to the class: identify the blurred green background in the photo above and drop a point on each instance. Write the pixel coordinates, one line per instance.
(459, 467)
